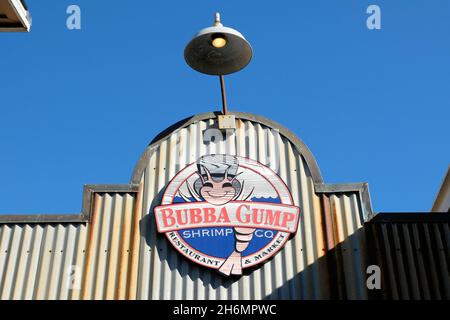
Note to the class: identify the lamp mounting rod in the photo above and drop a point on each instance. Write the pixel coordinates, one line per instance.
(217, 22)
(224, 94)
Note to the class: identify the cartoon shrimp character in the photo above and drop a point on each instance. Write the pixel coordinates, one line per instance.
(217, 184)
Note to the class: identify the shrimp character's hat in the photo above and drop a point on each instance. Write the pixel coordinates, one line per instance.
(218, 167)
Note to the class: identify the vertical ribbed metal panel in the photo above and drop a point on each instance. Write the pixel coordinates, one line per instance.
(43, 261)
(299, 271)
(348, 244)
(109, 250)
(414, 258)
(35, 260)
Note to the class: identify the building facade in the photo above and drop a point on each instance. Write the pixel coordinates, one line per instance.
(113, 249)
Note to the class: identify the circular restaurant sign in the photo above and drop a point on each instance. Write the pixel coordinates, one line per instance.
(227, 213)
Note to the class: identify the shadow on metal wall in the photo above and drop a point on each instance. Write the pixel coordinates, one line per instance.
(413, 253)
(411, 250)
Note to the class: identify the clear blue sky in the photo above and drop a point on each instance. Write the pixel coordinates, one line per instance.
(79, 107)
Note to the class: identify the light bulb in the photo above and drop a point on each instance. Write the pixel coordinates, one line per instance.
(219, 42)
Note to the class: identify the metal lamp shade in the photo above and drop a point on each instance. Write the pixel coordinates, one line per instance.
(202, 56)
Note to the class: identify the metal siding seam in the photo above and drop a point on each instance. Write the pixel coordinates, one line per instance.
(60, 252)
(300, 237)
(165, 254)
(133, 268)
(32, 264)
(330, 281)
(390, 263)
(5, 231)
(414, 283)
(45, 267)
(114, 248)
(443, 267)
(173, 160)
(147, 253)
(146, 273)
(40, 230)
(447, 236)
(424, 284)
(358, 247)
(181, 153)
(255, 152)
(11, 270)
(238, 144)
(371, 245)
(249, 149)
(102, 248)
(66, 261)
(237, 147)
(124, 248)
(211, 276)
(319, 241)
(77, 260)
(80, 256)
(347, 231)
(446, 271)
(308, 244)
(388, 289)
(20, 264)
(91, 252)
(278, 270)
(150, 263)
(338, 236)
(404, 288)
(56, 272)
(356, 242)
(253, 280)
(433, 260)
(291, 249)
(339, 249)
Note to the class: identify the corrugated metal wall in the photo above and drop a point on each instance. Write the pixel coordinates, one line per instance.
(345, 245)
(118, 254)
(70, 261)
(111, 255)
(413, 253)
(35, 259)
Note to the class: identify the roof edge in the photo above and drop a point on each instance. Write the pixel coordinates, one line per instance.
(362, 188)
(86, 211)
(23, 15)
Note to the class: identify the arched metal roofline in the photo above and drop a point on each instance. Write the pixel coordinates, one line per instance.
(299, 145)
